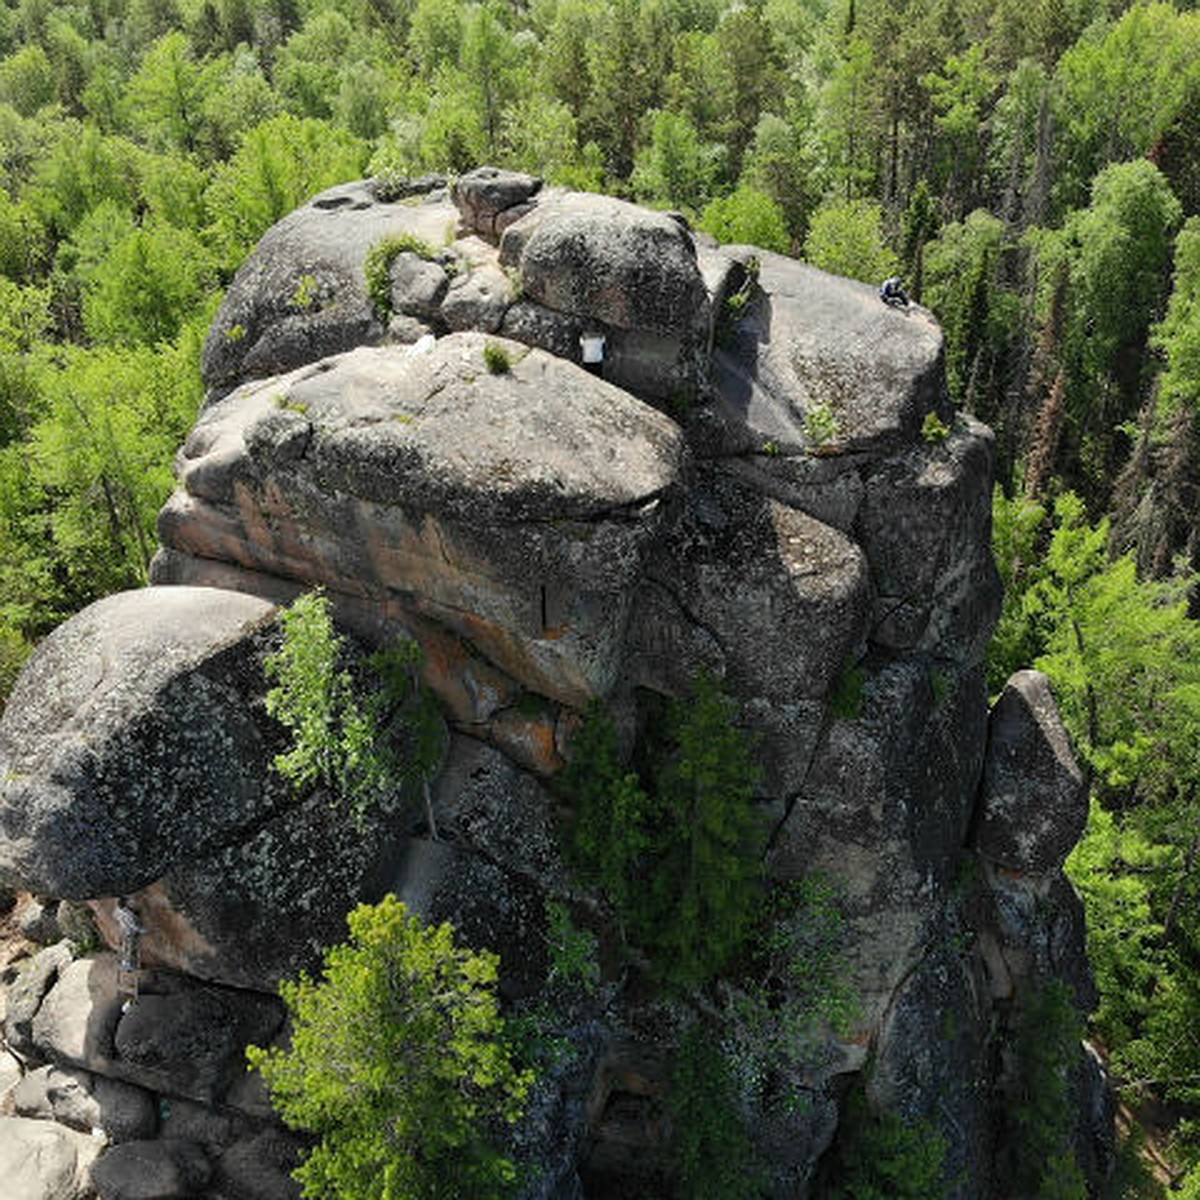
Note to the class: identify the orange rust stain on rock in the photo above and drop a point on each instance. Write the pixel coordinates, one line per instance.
(528, 739)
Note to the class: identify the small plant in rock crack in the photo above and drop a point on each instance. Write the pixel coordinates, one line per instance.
(496, 359)
(821, 427)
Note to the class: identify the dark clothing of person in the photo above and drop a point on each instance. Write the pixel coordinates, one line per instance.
(892, 292)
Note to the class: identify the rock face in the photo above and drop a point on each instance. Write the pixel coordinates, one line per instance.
(1033, 802)
(740, 486)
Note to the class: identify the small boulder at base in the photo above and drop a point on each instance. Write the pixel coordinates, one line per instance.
(151, 1171)
(1032, 805)
(43, 1161)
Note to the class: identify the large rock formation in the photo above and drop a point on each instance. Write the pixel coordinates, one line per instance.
(742, 486)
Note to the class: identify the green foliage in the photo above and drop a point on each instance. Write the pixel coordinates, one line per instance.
(846, 238)
(340, 740)
(847, 698)
(377, 267)
(1177, 336)
(1043, 1113)
(608, 832)
(1016, 526)
(278, 166)
(676, 855)
(933, 429)
(793, 993)
(879, 1156)
(496, 359)
(146, 286)
(747, 216)
(979, 316)
(702, 877)
(572, 950)
(822, 427)
(675, 169)
(398, 1064)
(710, 1146)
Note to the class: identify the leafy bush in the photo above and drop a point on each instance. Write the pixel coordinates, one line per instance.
(572, 950)
(821, 426)
(398, 1064)
(339, 740)
(878, 1156)
(933, 429)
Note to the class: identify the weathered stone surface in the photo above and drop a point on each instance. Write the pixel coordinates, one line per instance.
(418, 285)
(10, 1076)
(43, 1161)
(932, 1058)
(514, 508)
(477, 299)
(39, 922)
(151, 1171)
(485, 193)
(316, 254)
(485, 801)
(261, 909)
(925, 525)
(125, 743)
(811, 341)
(883, 811)
(761, 576)
(1039, 923)
(609, 261)
(489, 907)
(208, 1126)
(34, 979)
(180, 1037)
(1032, 803)
(87, 1102)
(260, 1167)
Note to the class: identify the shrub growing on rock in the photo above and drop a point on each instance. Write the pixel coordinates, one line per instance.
(341, 740)
(675, 854)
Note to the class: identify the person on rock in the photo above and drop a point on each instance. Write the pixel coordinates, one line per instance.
(891, 291)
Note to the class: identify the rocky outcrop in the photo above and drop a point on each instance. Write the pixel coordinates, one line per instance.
(1033, 801)
(303, 295)
(748, 484)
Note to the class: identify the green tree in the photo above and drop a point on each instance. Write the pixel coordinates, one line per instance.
(782, 162)
(1101, 279)
(711, 1148)
(676, 853)
(747, 216)
(981, 319)
(146, 286)
(27, 80)
(702, 875)
(610, 810)
(847, 239)
(166, 96)
(1120, 86)
(279, 165)
(675, 169)
(343, 735)
(398, 1064)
